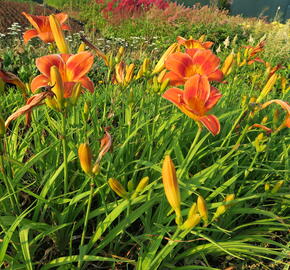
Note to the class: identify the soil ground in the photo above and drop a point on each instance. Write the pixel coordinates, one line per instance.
(10, 12)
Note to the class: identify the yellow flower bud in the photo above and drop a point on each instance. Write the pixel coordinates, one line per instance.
(191, 222)
(268, 87)
(267, 186)
(160, 64)
(57, 85)
(145, 65)
(129, 73)
(277, 186)
(130, 185)
(82, 47)
(120, 54)
(202, 209)
(58, 34)
(141, 185)
(117, 187)
(96, 169)
(227, 66)
(222, 208)
(2, 127)
(76, 91)
(164, 85)
(85, 157)
(161, 76)
(171, 186)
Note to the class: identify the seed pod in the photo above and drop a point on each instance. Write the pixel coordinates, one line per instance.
(85, 157)
(117, 187)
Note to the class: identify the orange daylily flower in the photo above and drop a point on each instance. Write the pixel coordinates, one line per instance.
(196, 100)
(251, 53)
(72, 68)
(194, 44)
(32, 102)
(182, 66)
(42, 27)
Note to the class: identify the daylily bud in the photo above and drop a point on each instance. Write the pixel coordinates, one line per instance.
(145, 65)
(267, 186)
(161, 76)
(202, 209)
(264, 120)
(238, 58)
(155, 84)
(85, 157)
(259, 143)
(227, 66)
(120, 54)
(2, 127)
(160, 65)
(171, 187)
(96, 169)
(277, 186)
(283, 84)
(268, 87)
(82, 47)
(164, 85)
(117, 187)
(202, 38)
(86, 111)
(58, 34)
(139, 74)
(129, 73)
(191, 222)
(57, 85)
(222, 208)
(130, 185)
(141, 185)
(76, 91)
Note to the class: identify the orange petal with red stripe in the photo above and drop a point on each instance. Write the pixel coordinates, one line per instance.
(179, 63)
(38, 82)
(29, 34)
(211, 123)
(44, 63)
(78, 65)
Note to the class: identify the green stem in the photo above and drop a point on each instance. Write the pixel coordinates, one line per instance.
(190, 152)
(9, 186)
(63, 138)
(92, 185)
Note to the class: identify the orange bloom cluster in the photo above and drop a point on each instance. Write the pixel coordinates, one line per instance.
(195, 69)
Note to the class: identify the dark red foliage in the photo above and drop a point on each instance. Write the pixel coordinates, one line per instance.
(124, 9)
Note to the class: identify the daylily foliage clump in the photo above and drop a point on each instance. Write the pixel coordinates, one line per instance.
(107, 173)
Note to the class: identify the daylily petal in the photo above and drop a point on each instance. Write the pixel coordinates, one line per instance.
(192, 51)
(197, 92)
(216, 76)
(208, 44)
(179, 63)
(44, 63)
(174, 79)
(87, 83)
(61, 17)
(36, 21)
(175, 95)
(207, 60)
(46, 37)
(211, 123)
(68, 89)
(214, 97)
(65, 27)
(38, 82)
(78, 65)
(29, 34)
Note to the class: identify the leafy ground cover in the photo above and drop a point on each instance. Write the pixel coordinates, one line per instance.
(166, 156)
